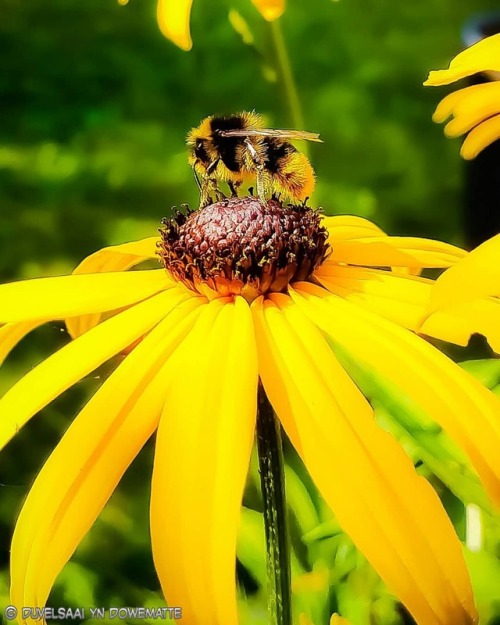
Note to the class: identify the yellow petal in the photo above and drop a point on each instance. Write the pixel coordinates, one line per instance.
(405, 299)
(393, 515)
(482, 56)
(67, 296)
(173, 20)
(270, 9)
(480, 137)
(12, 333)
(83, 470)
(474, 277)
(347, 227)
(119, 257)
(447, 105)
(464, 408)
(469, 106)
(112, 258)
(76, 359)
(202, 455)
(394, 252)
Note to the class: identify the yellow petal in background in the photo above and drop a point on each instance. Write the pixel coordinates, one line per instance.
(447, 105)
(393, 516)
(338, 620)
(462, 406)
(270, 9)
(68, 296)
(474, 277)
(83, 470)
(480, 137)
(76, 359)
(173, 20)
(469, 106)
(202, 455)
(482, 56)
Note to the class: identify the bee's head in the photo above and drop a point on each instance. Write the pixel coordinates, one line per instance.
(199, 142)
(200, 151)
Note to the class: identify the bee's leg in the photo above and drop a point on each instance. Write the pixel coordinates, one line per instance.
(198, 183)
(250, 190)
(259, 165)
(219, 196)
(203, 188)
(233, 187)
(205, 191)
(209, 186)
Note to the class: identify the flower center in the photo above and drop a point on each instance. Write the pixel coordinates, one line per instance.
(242, 246)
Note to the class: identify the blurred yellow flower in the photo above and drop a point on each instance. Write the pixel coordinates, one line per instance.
(270, 9)
(338, 620)
(335, 620)
(475, 109)
(174, 15)
(192, 375)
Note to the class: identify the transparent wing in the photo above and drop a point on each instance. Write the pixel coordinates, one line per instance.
(270, 132)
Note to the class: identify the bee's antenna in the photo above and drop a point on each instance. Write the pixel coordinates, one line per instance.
(196, 175)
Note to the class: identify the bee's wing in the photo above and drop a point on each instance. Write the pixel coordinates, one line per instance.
(270, 132)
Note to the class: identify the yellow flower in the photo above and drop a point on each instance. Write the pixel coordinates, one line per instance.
(338, 620)
(335, 620)
(173, 18)
(192, 375)
(476, 109)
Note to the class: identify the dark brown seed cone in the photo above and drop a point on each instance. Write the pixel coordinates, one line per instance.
(242, 246)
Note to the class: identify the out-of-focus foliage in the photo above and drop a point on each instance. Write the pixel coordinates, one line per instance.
(95, 108)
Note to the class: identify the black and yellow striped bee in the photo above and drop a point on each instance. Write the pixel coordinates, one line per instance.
(237, 149)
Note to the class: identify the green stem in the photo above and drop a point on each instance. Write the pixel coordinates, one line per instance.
(272, 479)
(283, 61)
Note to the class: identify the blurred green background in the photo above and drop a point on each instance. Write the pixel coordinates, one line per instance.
(96, 105)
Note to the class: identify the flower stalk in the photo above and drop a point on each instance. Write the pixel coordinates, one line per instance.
(272, 479)
(287, 79)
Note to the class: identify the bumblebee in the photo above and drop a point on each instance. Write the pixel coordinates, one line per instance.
(237, 149)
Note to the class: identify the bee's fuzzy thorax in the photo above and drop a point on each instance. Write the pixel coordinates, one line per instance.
(238, 149)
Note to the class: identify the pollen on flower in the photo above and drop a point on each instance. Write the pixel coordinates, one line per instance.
(243, 246)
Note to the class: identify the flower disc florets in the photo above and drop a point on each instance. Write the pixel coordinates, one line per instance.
(242, 246)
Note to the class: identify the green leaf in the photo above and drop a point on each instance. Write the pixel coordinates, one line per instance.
(486, 371)
(300, 502)
(251, 548)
